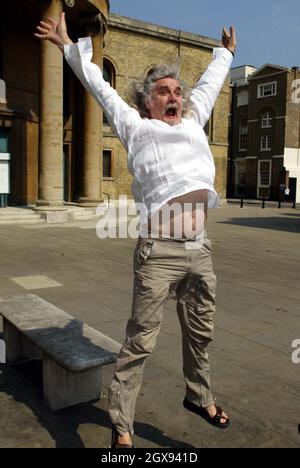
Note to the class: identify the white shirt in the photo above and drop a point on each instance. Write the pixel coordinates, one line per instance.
(165, 161)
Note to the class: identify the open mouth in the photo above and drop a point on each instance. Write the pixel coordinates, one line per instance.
(171, 112)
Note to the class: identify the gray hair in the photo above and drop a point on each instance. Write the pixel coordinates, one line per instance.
(142, 89)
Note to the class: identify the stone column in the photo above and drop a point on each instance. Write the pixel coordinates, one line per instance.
(51, 122)
(92, 139)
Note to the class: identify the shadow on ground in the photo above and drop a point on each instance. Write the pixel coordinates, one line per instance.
(289, 224)
(295, 215)
(23, 382)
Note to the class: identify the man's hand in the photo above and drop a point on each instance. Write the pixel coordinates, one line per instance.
(55, 32)
(229, 39)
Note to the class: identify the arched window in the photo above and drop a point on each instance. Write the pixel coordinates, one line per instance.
(243, 135)
(109, 74)
(267, 120)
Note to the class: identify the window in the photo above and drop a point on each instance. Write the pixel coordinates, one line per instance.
(107, 164)
(242, 98)
(264, 178)
(266, 120)
(265, 173)
(267, 89)
(243, 135)
(265, 143)
(109, 75)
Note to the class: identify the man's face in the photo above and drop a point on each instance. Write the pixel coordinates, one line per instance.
(165, 102)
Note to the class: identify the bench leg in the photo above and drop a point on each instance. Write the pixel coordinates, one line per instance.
(17, 347)
(63, 388)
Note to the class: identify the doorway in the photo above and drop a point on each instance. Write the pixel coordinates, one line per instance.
(293, 188)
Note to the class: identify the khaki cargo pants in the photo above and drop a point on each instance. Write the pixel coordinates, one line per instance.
(160, 267)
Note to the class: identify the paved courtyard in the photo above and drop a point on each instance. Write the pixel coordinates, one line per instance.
(256, 257)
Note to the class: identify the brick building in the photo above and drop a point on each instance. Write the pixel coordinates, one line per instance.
(264, 133)
(62, 149)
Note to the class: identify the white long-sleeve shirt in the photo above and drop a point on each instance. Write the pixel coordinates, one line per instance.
(165, 161)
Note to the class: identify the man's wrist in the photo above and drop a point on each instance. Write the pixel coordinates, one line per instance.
(66, 41)
(230, 50)
(63, 43)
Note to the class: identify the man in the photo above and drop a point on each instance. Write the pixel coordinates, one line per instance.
(170, 159)
(287, 194)
(282, 188)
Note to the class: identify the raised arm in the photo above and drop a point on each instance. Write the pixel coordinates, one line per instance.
(123, 118)
(206, 91)
(54, 31)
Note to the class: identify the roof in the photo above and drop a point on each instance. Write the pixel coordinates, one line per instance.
(266, 65)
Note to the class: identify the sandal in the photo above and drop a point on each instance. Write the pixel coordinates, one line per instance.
(215, 421)
(114, 440)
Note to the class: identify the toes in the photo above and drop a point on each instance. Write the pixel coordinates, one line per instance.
(224, 418)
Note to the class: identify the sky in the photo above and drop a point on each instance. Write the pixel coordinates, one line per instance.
(268, 31)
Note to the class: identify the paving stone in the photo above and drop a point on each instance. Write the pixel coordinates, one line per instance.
(226, 344)
(279, 339)
(277, 369)
(189, 428)
(36, 282)
(279, 411)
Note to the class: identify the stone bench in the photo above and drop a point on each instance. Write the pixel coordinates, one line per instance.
(72, 352)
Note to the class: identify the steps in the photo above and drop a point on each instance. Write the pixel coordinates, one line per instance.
(82, 214)
(27, 215)
(11, 215)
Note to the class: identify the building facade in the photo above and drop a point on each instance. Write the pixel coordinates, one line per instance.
(264, 133)
(62, 148)
(43, 106)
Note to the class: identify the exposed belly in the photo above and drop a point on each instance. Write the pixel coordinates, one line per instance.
(181, 217)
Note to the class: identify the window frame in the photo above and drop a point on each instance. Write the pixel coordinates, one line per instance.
(268, 120)
(261, 87)
(112, 164)
(268, 139)
(259, 179)
(243, 134)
